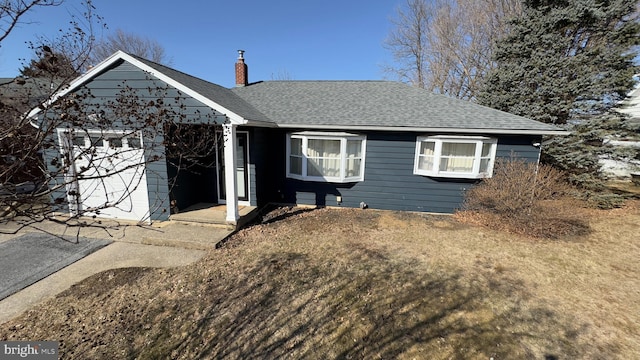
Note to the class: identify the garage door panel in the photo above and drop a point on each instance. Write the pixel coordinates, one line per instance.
(111, 179)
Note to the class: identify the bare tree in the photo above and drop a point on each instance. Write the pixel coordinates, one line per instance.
(12, 12)
(129, 43)
(446, 46)
(32, 189)
(408, 42)
(282, 75)
(22, 171)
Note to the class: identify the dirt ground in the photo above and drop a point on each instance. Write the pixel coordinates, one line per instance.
(364, 284)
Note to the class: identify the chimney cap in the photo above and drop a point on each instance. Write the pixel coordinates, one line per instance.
(240, 54)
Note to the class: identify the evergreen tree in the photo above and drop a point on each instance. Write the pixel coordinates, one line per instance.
(568, 62)
(50, 65)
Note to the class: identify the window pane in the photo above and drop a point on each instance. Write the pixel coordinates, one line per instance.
(427, 148)
(78, 140)
(314, 167)
(455, 164)
(486, 150)
(353, 167)
(457, 157)
(324, 148)
(458, 149)
(323, 157)
(134, 142)
(96, 141)
(295, 165)
(354, 148)
(115, 143)
(484, 165)
(426, 155)
(296, 146)
(425, 163)
(323, 167)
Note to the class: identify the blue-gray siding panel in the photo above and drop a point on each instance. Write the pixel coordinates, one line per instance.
(389, 182)
(256, 160)
(157, 179)
(105, 89)
(265, 155)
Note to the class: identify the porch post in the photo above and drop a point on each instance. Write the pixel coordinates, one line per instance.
(230, 178)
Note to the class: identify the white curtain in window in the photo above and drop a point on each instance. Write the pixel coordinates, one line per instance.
(354, 158)
(426, 155)
(323, 157)
(485, 158)
(457, 157)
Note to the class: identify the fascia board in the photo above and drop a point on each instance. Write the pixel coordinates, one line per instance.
(429, 129)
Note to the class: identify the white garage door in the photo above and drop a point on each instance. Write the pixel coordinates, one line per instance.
(110, 169)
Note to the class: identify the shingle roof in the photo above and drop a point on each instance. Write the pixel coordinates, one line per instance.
(26, 92)
(354, 104)
(217, 93)
(383, 105)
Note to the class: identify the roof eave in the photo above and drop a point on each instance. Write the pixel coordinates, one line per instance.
(260, 123)
(429, 129)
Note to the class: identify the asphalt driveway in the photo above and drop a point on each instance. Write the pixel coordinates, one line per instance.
(33, 256)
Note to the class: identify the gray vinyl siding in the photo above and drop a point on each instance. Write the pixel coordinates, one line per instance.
(256, 141)
(521, 147)
(106, 87)
(157, 179)
(253, 201)
(264, 158)
(389, 182)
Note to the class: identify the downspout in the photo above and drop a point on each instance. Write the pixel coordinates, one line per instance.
(537, 145)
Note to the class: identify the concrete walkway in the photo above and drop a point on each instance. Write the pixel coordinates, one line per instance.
(167, 245)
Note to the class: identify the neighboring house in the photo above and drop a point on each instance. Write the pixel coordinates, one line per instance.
(380, 144)
(19, 169)
(623, 168)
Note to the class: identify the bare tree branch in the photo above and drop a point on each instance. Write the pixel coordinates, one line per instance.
(129, 43)
(11, 11)
(446, 46)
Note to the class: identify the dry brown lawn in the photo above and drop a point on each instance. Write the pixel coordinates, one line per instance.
(363, 284)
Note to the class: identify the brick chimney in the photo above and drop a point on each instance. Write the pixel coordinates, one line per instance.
(242, 72)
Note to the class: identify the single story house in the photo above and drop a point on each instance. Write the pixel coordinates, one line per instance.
(376, 144)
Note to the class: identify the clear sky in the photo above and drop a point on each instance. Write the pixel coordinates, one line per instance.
(304, 39)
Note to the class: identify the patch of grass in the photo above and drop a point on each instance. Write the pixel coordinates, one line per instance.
(550, 219)
(625, 188)
(329, 283)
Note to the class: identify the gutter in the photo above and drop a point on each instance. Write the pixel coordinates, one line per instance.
(429, 129)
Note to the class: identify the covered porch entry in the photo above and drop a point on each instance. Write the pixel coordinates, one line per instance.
(210, 182)
(214, 214)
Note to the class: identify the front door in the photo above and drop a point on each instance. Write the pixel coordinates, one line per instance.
(242, 173)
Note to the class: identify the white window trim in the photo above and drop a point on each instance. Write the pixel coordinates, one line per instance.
(103, 135)
(342, 137)
(479, 141)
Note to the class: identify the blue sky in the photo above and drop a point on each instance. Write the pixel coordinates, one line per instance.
(305, 39)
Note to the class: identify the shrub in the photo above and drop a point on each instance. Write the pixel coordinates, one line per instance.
(515, 187)
(524, 198)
